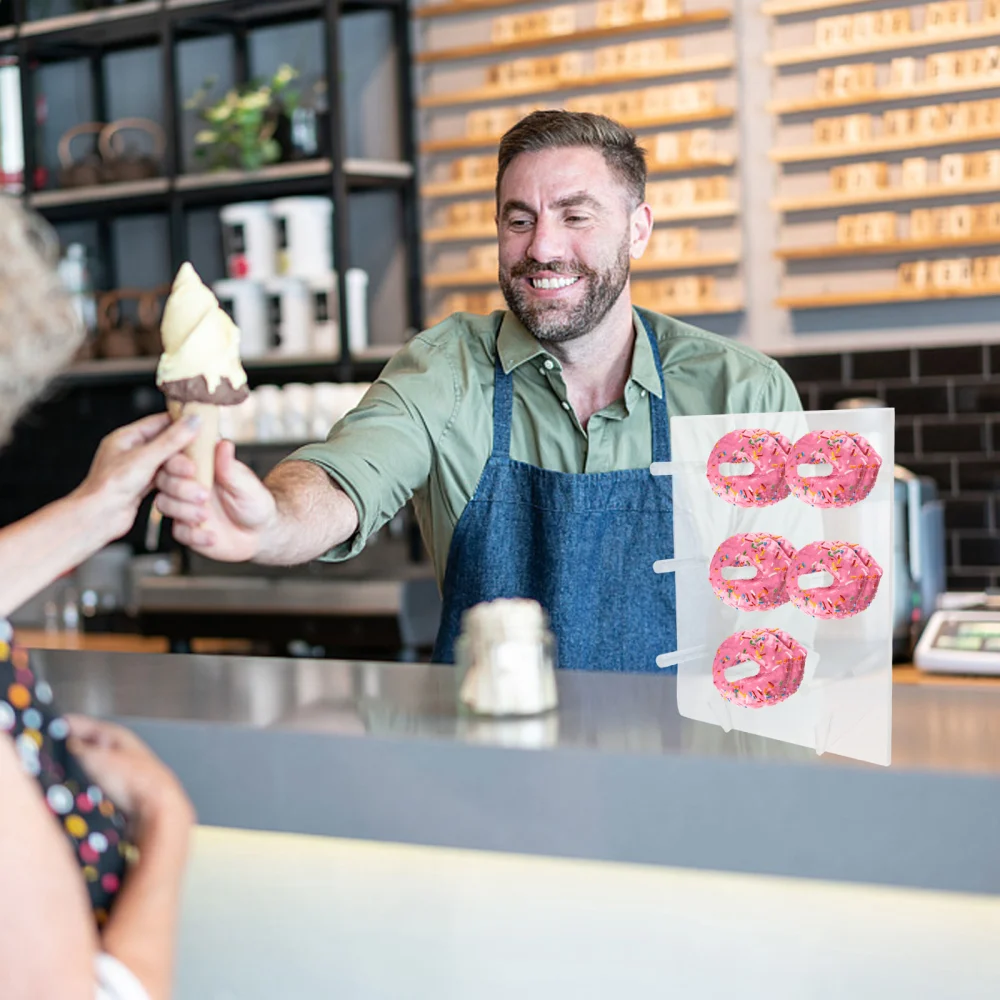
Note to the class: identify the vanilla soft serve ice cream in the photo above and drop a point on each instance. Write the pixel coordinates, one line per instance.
(200, 367)
(201, 346)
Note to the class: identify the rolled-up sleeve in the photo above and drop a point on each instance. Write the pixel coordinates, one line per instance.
(383, 451)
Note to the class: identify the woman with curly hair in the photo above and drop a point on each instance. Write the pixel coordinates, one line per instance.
(94, 828)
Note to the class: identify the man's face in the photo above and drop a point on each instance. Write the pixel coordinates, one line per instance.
(567, 233)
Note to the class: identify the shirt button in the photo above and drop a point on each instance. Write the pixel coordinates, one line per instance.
(642, 392)
(565, 405)
(549, 364)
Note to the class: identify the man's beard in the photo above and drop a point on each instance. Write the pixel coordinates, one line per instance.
(555, 321)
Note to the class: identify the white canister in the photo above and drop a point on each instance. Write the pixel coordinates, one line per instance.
(326, 408)
(246, 303)
(297, 404)
(269, 417)
(303, 230)
(248, 239)
(325, 316)
(357, 309)
(289, 311)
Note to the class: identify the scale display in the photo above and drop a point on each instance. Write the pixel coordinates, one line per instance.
(966, 642)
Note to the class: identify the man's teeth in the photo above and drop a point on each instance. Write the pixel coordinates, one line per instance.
(553, 282)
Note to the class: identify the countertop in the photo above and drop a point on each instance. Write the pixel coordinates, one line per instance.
(377, 751)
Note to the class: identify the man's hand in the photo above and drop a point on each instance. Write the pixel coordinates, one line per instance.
(226, 523)
(125, 464)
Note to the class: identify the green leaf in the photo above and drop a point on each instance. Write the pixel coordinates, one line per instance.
(271, 151)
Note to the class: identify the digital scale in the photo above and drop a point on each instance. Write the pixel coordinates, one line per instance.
(965, 641)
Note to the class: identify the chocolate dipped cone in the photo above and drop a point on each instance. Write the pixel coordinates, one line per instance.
(201, 450)
(200, 368)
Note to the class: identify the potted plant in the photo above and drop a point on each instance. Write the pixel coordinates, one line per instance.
(241, 128)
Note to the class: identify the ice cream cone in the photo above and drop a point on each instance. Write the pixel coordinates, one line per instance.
(201, 450)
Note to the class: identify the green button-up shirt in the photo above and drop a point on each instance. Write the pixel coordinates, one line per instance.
(425, 428)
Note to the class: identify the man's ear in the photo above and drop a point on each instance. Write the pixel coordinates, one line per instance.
(641, 228)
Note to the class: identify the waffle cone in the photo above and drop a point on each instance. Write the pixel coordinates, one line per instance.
(201, 450)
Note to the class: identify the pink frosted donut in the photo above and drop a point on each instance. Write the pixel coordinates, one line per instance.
(855, 579)
(769, 555)
(781, 660)
(766, 451)
(855, 468)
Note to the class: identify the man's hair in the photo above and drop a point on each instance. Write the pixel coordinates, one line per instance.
(39, 329)
(564, 129)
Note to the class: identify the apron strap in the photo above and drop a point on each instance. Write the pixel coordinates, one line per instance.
(659, 411)
(503, 408)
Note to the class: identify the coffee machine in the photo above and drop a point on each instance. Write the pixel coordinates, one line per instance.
(918, 557)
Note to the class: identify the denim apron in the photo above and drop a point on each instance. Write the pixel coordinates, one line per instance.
(582, 545)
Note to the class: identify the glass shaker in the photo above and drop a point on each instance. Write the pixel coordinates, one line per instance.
(506, 658)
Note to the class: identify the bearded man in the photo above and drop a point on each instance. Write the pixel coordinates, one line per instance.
(524, 438)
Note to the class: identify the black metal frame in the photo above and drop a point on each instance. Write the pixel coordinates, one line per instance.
(165, 27)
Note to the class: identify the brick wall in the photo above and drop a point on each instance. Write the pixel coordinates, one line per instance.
(947, 403)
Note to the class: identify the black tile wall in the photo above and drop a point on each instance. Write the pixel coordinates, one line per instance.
(882, 364)
(967, 514)
(815, 367)
(982, 398)
(917, 400)
(950, 361)
(946, 438)
(905, 438)
(947, 402)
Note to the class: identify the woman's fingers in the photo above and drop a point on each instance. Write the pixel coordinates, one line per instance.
(141, 431)
(97, 732)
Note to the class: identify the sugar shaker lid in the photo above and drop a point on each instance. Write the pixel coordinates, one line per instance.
(505, 618)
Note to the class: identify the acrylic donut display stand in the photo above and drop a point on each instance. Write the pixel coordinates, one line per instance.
(783, 570)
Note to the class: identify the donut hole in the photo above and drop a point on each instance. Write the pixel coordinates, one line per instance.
(738, 572)
(730, 469)
(741, 671)
(815, 581)
(817, 471)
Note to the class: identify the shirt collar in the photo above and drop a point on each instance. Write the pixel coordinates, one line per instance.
(644, 371)
(516, 346)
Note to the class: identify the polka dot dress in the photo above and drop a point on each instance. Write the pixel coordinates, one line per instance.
(94, 825)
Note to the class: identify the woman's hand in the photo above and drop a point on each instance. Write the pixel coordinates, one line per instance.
(145, 789)
(126, 464)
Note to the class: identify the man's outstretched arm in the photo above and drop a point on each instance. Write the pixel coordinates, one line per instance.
(295, 515)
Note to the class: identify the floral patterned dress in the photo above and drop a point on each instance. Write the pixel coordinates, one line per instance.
(94, 825)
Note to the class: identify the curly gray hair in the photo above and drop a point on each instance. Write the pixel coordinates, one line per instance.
(39, 329)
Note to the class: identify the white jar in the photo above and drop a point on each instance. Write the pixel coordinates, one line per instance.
(269, 413)
(506, 659)
(246, 303)
(325, 341)
(289, 312)
(248, 238)
(297, 404)
(357, 309)
(303, 230)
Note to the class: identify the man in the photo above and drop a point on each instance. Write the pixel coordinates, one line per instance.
(525, 437)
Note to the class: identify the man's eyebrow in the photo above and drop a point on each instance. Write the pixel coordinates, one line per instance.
(568, 201)
(516, 206)
(579, 198)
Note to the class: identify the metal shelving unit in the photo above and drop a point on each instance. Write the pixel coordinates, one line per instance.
(110, 28)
